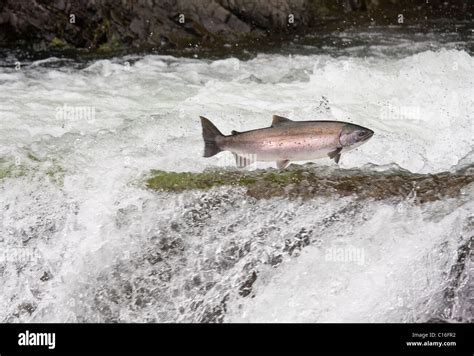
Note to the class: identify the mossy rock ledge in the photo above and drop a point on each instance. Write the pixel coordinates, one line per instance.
(310, 181)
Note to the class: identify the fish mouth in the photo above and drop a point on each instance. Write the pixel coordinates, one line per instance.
(368, 134)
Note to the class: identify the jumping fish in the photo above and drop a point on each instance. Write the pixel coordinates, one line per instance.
(285, 140)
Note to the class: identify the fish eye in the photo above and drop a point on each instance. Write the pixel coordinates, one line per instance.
(361, 133)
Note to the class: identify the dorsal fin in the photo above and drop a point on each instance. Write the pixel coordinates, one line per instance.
(234, 132)
(278, 120)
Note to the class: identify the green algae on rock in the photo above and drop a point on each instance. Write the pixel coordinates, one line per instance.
(57, 42)
(309, 181)
(37, 168)
(8, 170)
(179, 181)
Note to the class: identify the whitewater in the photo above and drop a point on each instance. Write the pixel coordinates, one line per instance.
(83, 239)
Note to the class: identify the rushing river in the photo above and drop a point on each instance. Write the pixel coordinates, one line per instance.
(83, 239)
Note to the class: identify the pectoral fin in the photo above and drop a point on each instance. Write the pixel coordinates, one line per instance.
(283, 164)
(243, 161)
(336, 154)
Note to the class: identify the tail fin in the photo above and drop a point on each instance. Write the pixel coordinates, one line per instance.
(209, 134)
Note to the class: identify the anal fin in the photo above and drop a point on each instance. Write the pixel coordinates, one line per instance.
(245, 160)
(283, 164)
(336, 154)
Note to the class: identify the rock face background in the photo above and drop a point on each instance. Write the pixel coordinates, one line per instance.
(155, 24)
(144, 23)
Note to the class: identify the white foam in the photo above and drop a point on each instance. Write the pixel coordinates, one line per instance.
(389, 267)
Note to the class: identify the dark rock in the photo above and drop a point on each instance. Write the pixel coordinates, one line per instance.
(246, 288)
(110, 25)
(276, 260)
(215, 313)
(46, 276)
(28, 308)
(154, 258)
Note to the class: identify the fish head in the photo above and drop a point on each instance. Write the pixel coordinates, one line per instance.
(352, 136)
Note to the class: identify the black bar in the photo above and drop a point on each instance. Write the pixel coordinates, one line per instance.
(242, 337)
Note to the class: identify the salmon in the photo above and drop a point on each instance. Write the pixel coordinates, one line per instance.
(285, 141)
